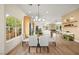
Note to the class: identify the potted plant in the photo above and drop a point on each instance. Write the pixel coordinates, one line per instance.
(38, 31)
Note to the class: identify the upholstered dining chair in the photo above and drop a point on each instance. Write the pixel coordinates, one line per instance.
(44, 42)
(32, 42)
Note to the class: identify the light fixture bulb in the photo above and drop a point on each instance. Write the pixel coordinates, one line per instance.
(39, 19)
(43, 19)
(34, 20)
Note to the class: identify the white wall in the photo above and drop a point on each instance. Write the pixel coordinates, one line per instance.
(2, 30)
(13, 10)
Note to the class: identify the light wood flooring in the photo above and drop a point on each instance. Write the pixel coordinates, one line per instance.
(63, 47)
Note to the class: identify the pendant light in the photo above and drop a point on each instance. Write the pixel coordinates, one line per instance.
(37, 18)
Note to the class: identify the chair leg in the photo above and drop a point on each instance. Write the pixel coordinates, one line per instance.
(36, 49)
(40, 49)
(29, 49)
(55, 44)
(47, 49)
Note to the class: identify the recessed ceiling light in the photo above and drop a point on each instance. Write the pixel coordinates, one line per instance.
(46, 12)
(7, 15)
(29, 12)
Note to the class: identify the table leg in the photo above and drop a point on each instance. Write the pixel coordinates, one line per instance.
(29, 49)
(47, 49)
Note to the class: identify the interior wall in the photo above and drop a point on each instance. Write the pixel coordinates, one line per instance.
(2, 30)
(73, 29)
(13, 10)
(11, 44)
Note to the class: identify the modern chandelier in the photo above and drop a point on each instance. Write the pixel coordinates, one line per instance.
(37, 18)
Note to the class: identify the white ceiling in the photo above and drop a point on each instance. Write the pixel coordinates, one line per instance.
(54, 11)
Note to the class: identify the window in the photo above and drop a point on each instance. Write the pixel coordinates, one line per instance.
(18, 27)
(13, 27)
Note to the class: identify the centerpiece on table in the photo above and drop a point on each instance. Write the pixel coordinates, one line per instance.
(38, 33)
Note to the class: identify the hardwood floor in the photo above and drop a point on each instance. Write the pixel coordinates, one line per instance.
(63, 47)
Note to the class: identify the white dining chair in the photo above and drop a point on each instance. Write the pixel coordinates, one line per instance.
(44, 42)
(32, 41)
